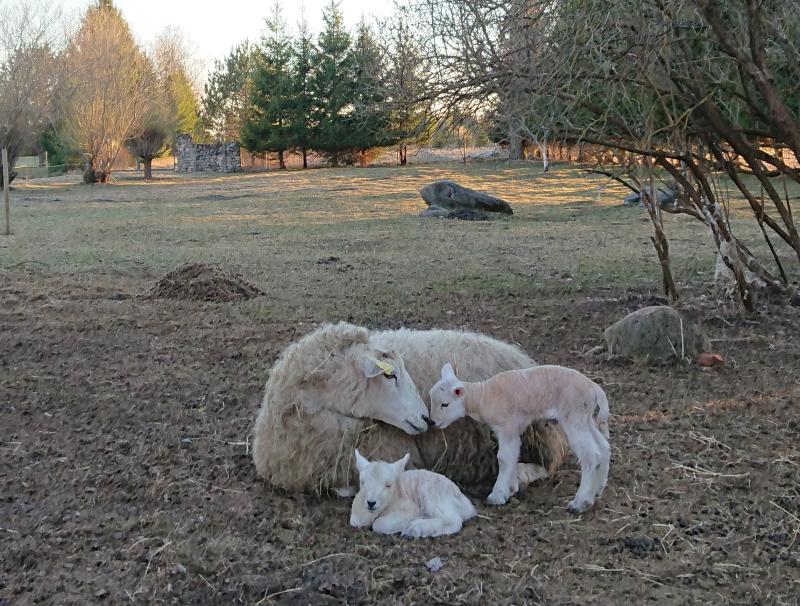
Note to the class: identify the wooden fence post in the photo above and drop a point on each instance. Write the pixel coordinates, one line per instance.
(5, 192)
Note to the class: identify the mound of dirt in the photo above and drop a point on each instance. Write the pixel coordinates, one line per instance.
(201, 282)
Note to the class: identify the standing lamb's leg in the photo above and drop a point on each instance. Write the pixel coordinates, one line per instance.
(601, 472)
(507, 482)
(391, 523)
(433, 527)
(582, 442)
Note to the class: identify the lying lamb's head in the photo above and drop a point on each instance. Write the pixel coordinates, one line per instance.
(390, 394)
(378, 486)
(447, 398)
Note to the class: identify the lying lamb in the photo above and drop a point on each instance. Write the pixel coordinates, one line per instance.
(416, 503)
(510, 401)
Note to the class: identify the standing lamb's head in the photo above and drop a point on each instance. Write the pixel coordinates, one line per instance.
(386, 391)
(447, 398)
(378, 487)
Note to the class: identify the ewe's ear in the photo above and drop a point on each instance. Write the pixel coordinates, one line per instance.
(447, 372)
(361, 462)
(400, 466)
(371, 367)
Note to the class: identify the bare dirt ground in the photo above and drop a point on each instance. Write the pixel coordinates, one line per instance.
(124, 467)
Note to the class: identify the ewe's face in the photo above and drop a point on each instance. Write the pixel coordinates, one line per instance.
(447, 399)
(391, 395)
(378, 483)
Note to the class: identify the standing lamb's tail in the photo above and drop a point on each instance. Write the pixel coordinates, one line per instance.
(602, 415)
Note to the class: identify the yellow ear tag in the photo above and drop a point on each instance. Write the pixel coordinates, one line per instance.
(387, 368)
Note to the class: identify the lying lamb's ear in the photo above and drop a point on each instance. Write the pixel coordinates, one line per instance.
(447, 372)
(361, 462)
(400, 466)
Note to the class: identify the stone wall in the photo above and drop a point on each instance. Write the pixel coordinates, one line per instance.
(194, 157)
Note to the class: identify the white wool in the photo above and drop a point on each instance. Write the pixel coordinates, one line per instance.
(416, 503)
(510, 401)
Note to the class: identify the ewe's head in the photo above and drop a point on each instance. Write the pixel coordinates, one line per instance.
(388, 393)
(378, 485)
(447, 398)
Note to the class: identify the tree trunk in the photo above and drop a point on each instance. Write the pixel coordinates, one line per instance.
(515, 147)
(335, 159)
(403, 153)
(305, 158)
(148, 168)
(281, 161)
(545, 158)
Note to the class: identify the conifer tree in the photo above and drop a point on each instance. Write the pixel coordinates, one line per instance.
(332, 87)
(303, 102)
(268, 127)
(369, 124)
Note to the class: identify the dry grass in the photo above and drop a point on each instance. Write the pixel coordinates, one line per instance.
(568, 233)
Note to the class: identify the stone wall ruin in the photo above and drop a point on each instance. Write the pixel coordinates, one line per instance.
(194, 157)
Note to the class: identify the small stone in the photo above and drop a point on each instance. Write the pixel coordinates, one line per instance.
(178, 569)
(434, 564)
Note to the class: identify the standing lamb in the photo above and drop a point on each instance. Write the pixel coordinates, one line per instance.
(416, 503)
(510, 401)
(319, 405)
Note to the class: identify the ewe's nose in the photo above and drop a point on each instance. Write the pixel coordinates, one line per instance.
(371, 505)
(429, 421)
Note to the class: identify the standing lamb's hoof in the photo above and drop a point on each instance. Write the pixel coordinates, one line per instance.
(578, 507)
(497, 498)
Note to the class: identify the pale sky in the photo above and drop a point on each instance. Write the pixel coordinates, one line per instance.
(215, 27)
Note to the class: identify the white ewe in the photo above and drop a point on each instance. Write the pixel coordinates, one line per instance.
(319, 405)
(510, 401)
(416, 503)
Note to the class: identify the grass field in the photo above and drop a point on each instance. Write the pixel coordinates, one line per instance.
(124, 467)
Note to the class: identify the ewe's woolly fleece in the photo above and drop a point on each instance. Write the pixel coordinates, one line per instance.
(305, 436)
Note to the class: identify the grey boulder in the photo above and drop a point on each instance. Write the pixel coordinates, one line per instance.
(656, 335)
(450, 195)
(665, 197)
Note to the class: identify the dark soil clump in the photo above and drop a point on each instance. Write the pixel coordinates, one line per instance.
(202, 282)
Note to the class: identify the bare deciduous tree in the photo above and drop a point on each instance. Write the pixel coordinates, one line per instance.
(31, 38)
(690, 90)
(111, 85)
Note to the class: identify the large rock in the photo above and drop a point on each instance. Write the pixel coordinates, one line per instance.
(666, 197)
(451, 195)
(656, 335)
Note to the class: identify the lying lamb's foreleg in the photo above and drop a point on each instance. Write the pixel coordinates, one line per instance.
(507, 483)
(396, 521)
(433, 527)
(582, 442)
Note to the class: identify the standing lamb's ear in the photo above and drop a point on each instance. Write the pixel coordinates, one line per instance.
(361, 462)
(458, 390)
(400, 466)
(447, 372)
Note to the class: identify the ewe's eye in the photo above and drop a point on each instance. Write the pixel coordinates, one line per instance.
(445, 404)
(388, 486)
(390, 375)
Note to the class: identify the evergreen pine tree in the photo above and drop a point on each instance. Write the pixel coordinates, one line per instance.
(332, 87)
(370, 121)
(268, 126)
(227, 93)
(303, 102)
